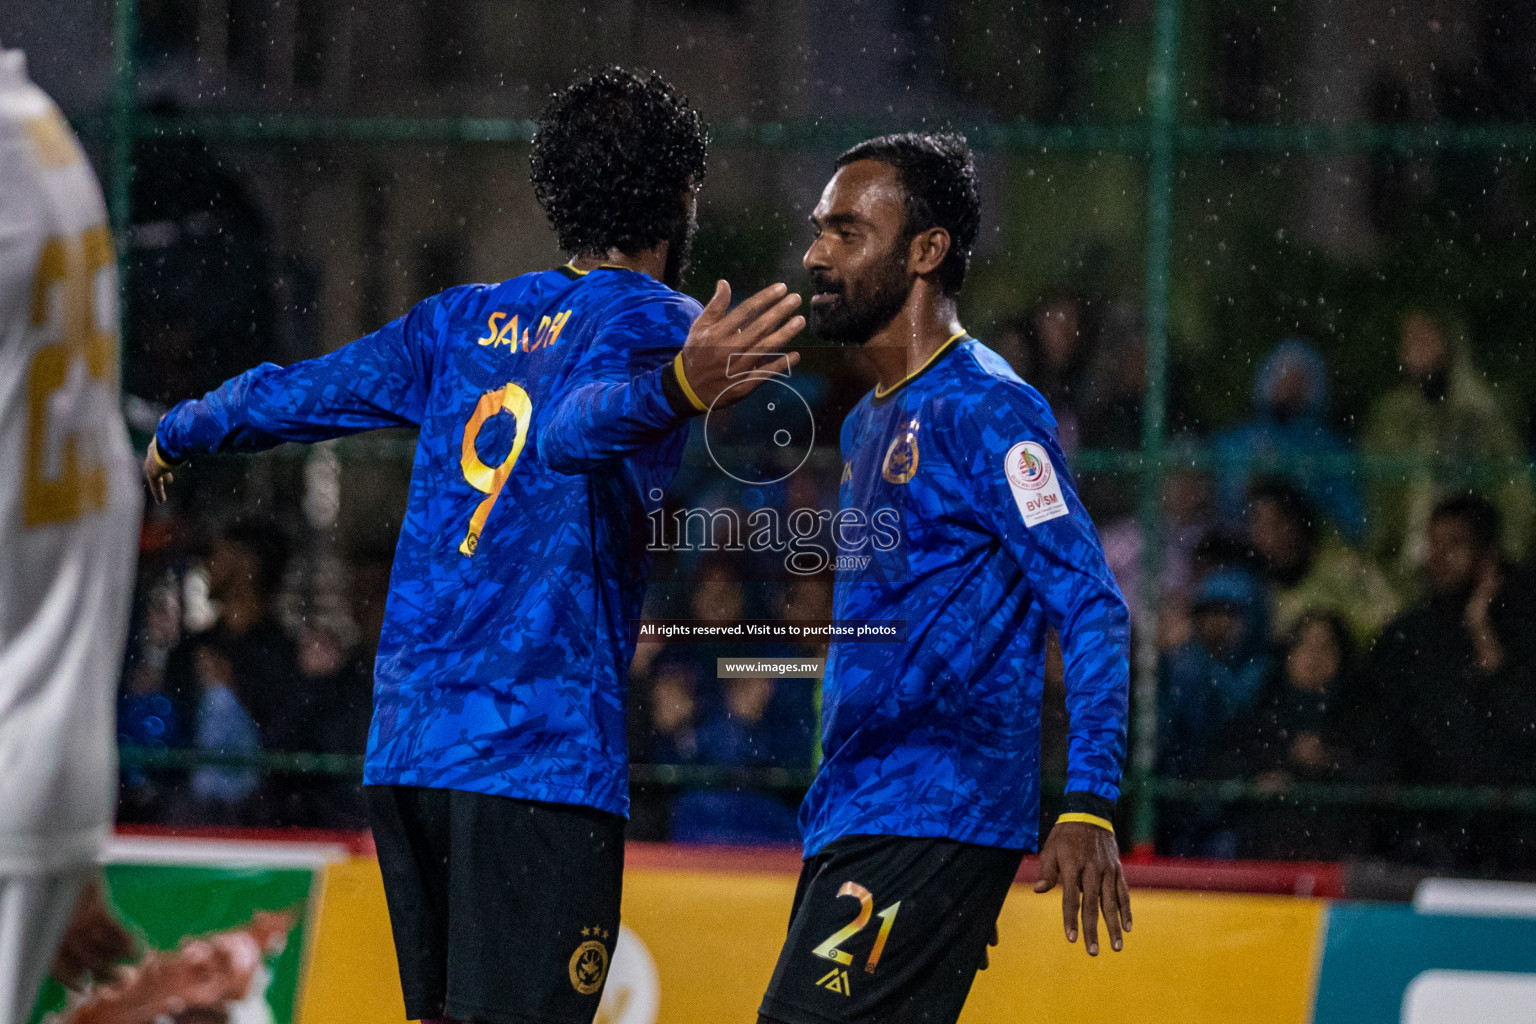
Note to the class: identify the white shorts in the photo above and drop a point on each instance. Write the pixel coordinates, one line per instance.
(34, 912)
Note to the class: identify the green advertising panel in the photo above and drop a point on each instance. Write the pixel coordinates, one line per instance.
(1393, 965)
(217, 943)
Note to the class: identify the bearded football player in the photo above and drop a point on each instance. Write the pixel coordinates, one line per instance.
(928, 794)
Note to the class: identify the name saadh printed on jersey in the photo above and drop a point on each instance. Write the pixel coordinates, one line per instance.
(504, 332)
(1034, 483)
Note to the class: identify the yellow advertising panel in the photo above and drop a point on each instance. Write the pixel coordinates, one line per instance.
(698, 947)
(352, 977)
(1193, 958)
(714, 937)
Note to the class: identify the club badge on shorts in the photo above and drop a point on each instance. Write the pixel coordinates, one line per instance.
(900, 463)
(589, 965)
(1035, 485)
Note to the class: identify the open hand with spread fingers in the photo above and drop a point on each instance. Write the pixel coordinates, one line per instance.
(758, 328)
(1086, 861)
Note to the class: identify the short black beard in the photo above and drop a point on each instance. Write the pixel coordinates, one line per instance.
(679, 254)
(852, 324)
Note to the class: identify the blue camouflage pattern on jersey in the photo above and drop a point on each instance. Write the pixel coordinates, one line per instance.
(939, 736)
(500, 671)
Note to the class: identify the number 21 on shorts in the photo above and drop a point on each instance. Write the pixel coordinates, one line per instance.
(489, 480)
(829, 950)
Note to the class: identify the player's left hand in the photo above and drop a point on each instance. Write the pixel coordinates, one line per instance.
(1085, 860)
(157, 472)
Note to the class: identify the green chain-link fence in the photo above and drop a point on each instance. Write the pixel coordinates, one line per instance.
(1159, 138)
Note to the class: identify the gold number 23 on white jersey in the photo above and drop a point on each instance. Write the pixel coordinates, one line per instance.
(69, 378)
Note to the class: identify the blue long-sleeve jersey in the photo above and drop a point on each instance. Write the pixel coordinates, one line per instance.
(544, 432)
(956, 495)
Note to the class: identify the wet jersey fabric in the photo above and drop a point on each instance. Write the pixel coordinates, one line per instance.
(978, 542)
(545, 437)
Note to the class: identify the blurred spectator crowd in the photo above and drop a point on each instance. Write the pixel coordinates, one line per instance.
(1338, 614)
(217, 666)
(1339, 600)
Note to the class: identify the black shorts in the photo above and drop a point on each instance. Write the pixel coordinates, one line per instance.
(888, 929)
(504, 911)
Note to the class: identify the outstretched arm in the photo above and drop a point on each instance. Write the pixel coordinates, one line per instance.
(380, 380)
(634, 388)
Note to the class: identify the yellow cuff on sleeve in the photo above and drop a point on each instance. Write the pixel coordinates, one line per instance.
(1087, 819)
(154, 449)
(682, 380)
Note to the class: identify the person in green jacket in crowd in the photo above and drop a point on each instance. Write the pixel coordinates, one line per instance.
(1446, 417)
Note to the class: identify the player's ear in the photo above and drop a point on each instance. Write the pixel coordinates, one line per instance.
(928, 250)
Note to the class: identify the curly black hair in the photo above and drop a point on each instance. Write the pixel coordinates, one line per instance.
(613, 157)
(938, 177)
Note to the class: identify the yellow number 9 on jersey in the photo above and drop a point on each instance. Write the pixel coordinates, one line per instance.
(485, 479)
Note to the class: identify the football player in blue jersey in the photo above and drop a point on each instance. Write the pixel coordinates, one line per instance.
(928, 793)
(552, 409)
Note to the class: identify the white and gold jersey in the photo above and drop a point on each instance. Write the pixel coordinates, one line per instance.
(70, 497)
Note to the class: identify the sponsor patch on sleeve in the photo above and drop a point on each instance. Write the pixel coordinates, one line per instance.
(1034, 483)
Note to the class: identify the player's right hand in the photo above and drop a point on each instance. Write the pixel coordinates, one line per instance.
(95, 943)
(157, 472)
(759, 327)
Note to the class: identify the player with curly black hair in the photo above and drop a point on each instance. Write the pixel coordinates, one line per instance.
(648, 149)
(552, 409)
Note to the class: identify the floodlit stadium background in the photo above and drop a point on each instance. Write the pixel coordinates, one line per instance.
(1201, 180)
